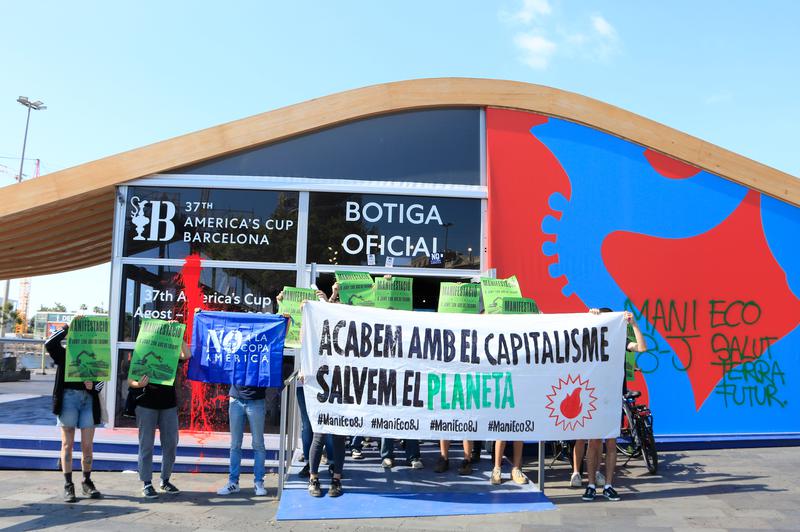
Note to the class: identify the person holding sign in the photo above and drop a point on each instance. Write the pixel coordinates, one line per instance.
(159, 347)
(596, 446)
(76, 403)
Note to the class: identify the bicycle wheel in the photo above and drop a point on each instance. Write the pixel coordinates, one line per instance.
(629, 442)
(648, 446)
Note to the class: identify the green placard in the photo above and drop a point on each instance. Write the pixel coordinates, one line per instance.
(395, 293)
(88, 350)
(357, 293)
(630, 356)
(353, 276)
(290, 304)
(494, 290)
(460, 298)
(157, 350)
(519, 305)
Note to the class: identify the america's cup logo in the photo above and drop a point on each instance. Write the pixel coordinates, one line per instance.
(161, 215)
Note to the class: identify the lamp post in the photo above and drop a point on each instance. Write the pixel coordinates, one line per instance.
(32, 106)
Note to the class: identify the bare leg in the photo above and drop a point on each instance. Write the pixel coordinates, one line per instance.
(67, 441)
(611, 460)
(87, 439)
(518, 446)
(577, 455)
(468, 450)
(499, 449)
(444, 448)
(593, 460)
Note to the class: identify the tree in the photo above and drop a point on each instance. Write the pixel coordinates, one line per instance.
(57, 307)
(98, 309)
(83, 306)
(10, 315)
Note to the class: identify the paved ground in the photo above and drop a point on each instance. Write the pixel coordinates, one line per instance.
(38, 402)
(741, 489)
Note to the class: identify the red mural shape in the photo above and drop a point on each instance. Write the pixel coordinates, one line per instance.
(522, 174)
(669, 167)
(720, 298)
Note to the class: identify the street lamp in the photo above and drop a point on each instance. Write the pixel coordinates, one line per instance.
(37, 105)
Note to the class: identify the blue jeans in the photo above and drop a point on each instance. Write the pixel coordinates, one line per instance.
(306, 434)
(387, 448)
(254, 410)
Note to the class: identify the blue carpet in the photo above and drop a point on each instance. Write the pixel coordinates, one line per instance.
(370, 491)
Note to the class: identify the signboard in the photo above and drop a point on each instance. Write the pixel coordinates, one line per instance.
(399, 231)
(444, 376)
(88, 350)
(460, 298)
(394, 293)
(518, 305)
(242, 225)
(356, 288)
(157, 350)
(291, 304)
(494, 290)
(238, 348)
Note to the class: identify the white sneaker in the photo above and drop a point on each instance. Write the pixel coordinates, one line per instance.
(230, 487)
(601, 479)
(260, 489)
(575, 480)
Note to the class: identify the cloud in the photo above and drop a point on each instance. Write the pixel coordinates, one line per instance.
(551, 33)
(530, 10)
(536, 49)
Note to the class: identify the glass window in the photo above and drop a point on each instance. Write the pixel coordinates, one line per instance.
(368, 229)
(428, 146)
(218, 224)
(161, 292)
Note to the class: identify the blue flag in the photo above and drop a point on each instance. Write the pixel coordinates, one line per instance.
(238, 348)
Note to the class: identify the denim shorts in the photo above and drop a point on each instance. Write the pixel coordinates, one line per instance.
(76, 410)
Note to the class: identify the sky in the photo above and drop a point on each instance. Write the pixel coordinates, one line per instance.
(120, 75)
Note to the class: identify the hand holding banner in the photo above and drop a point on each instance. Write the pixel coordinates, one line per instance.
(88, 350)
(157, 350)
(238, 348)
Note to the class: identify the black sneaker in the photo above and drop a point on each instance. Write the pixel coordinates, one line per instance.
(588, 495)
(465, 468)
(442, 465)
(89, 490)
(611, 494)
(69, 493)
(313, 488)
(336, 488)
(305, 472)
(169, 487)
(149, 492)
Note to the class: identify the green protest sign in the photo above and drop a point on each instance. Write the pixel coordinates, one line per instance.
(356, 288)
(630, 356)
(290, 304)
(157, 350)
(353, 276)
(459, 298)
(519, 305)
(88, 350)
(394, 293)
(494, 290)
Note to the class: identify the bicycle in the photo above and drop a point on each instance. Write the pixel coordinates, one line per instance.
(637, 432)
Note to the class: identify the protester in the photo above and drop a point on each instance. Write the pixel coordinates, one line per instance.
(578, 451)
(157, 407)
(443, 464)
(596, 446)
(76, 405)
(412, 453)
(516, 471)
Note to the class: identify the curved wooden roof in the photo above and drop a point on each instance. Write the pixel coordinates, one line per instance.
(63, 221)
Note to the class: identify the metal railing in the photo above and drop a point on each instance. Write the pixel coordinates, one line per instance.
(288, 436)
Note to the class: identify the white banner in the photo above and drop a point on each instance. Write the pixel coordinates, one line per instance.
(421, 375)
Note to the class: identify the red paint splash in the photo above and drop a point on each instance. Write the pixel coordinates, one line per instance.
(571, 406)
